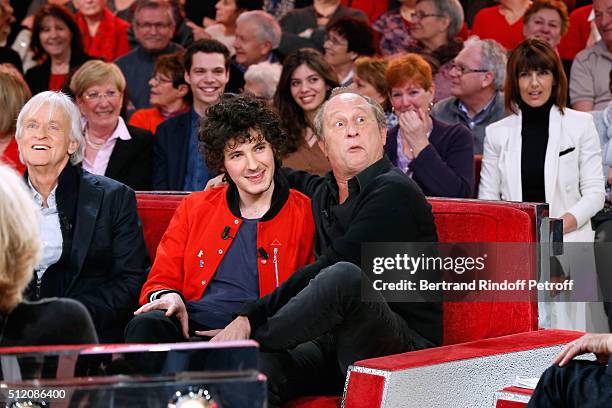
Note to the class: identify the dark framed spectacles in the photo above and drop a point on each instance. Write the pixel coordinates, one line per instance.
(463, 70)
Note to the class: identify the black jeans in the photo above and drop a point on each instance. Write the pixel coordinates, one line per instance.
(324, 329)
(603, 262)
(580, 384)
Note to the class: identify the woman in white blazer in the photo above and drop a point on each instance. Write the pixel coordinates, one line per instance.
(570, 173)
(545, 152)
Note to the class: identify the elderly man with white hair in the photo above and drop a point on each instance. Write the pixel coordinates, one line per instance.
(93, 246)
(258, 35)
(477, 78)
(262, 79)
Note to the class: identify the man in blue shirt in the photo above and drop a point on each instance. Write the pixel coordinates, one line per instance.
(177, 163)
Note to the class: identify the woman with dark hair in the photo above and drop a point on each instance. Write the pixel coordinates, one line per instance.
(439, 156)
(346, 40)
(545, 152)
(305, 83)
(57, 45)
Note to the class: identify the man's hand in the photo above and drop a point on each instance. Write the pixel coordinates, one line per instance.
(599, 344)
(173, 305)
(238, 329)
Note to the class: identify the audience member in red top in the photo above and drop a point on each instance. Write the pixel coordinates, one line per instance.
(170, 94)
(57, 44)
(578, 33)
(546, 20)
(105, 36)
(14, 93)
(503, 23)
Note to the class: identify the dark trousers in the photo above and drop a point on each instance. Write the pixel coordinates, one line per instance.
(603, 262)
(310, 342)
(156, 327)
(580, 384)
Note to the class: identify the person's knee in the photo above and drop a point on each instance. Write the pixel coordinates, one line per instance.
(342, 275)
(146, 326)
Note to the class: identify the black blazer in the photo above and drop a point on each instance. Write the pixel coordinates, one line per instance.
(38, 76)
(47, 322)
(170, 149)
(131, 161)
(106, 262)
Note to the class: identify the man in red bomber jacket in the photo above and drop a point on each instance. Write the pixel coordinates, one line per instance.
(228, 245)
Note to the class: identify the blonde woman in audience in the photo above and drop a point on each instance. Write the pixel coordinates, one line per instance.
(305, 83)
(262, 79)
(545, 152)
(546, 20)
(24, 323)
(14, 93)
(112, 148)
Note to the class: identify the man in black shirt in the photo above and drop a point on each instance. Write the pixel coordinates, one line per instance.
(316, 322)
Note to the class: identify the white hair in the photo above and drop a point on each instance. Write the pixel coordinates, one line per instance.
(56, 100)
(265, 74)
(266, 26)
(19, 238)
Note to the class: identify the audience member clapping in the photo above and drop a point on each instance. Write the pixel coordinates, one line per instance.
(14, 93)
(435, 25)
(347, 39)
(27, 323)
(439, 156)
(305, 83)
(93, 246)
(112, 148)
(477, 78)
(170, 94)
(369, 80)
(587, 89)
(58, 44)
(262, 79)
(105, 36)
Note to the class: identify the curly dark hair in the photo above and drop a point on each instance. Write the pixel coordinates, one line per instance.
(232, 118)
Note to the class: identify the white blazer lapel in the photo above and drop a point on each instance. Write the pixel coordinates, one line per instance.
(551, 162)
(513, 160)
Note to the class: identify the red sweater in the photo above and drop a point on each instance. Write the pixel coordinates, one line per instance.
(577, 34)
(10, 156)
(196, 234)
(490, 23)
(111, 39)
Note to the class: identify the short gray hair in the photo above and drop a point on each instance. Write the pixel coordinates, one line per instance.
(378, 111)
(56, 100)
(266, 26)
(492, 58)
(451, 9)
(19, 238)
(267, 74)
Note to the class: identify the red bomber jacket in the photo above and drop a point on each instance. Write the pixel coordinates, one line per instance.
(201, 232)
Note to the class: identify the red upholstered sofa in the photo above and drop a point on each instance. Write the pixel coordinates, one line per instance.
(457, 221)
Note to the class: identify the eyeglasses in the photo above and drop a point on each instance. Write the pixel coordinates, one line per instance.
(420, 16)
(150, 26)
(96, 96)
(463, 70)
(158, 79)
(335, 41)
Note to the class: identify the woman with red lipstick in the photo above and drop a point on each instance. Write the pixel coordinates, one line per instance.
(305, 83)
(58, 46)
(437, 155)
(545, 152)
